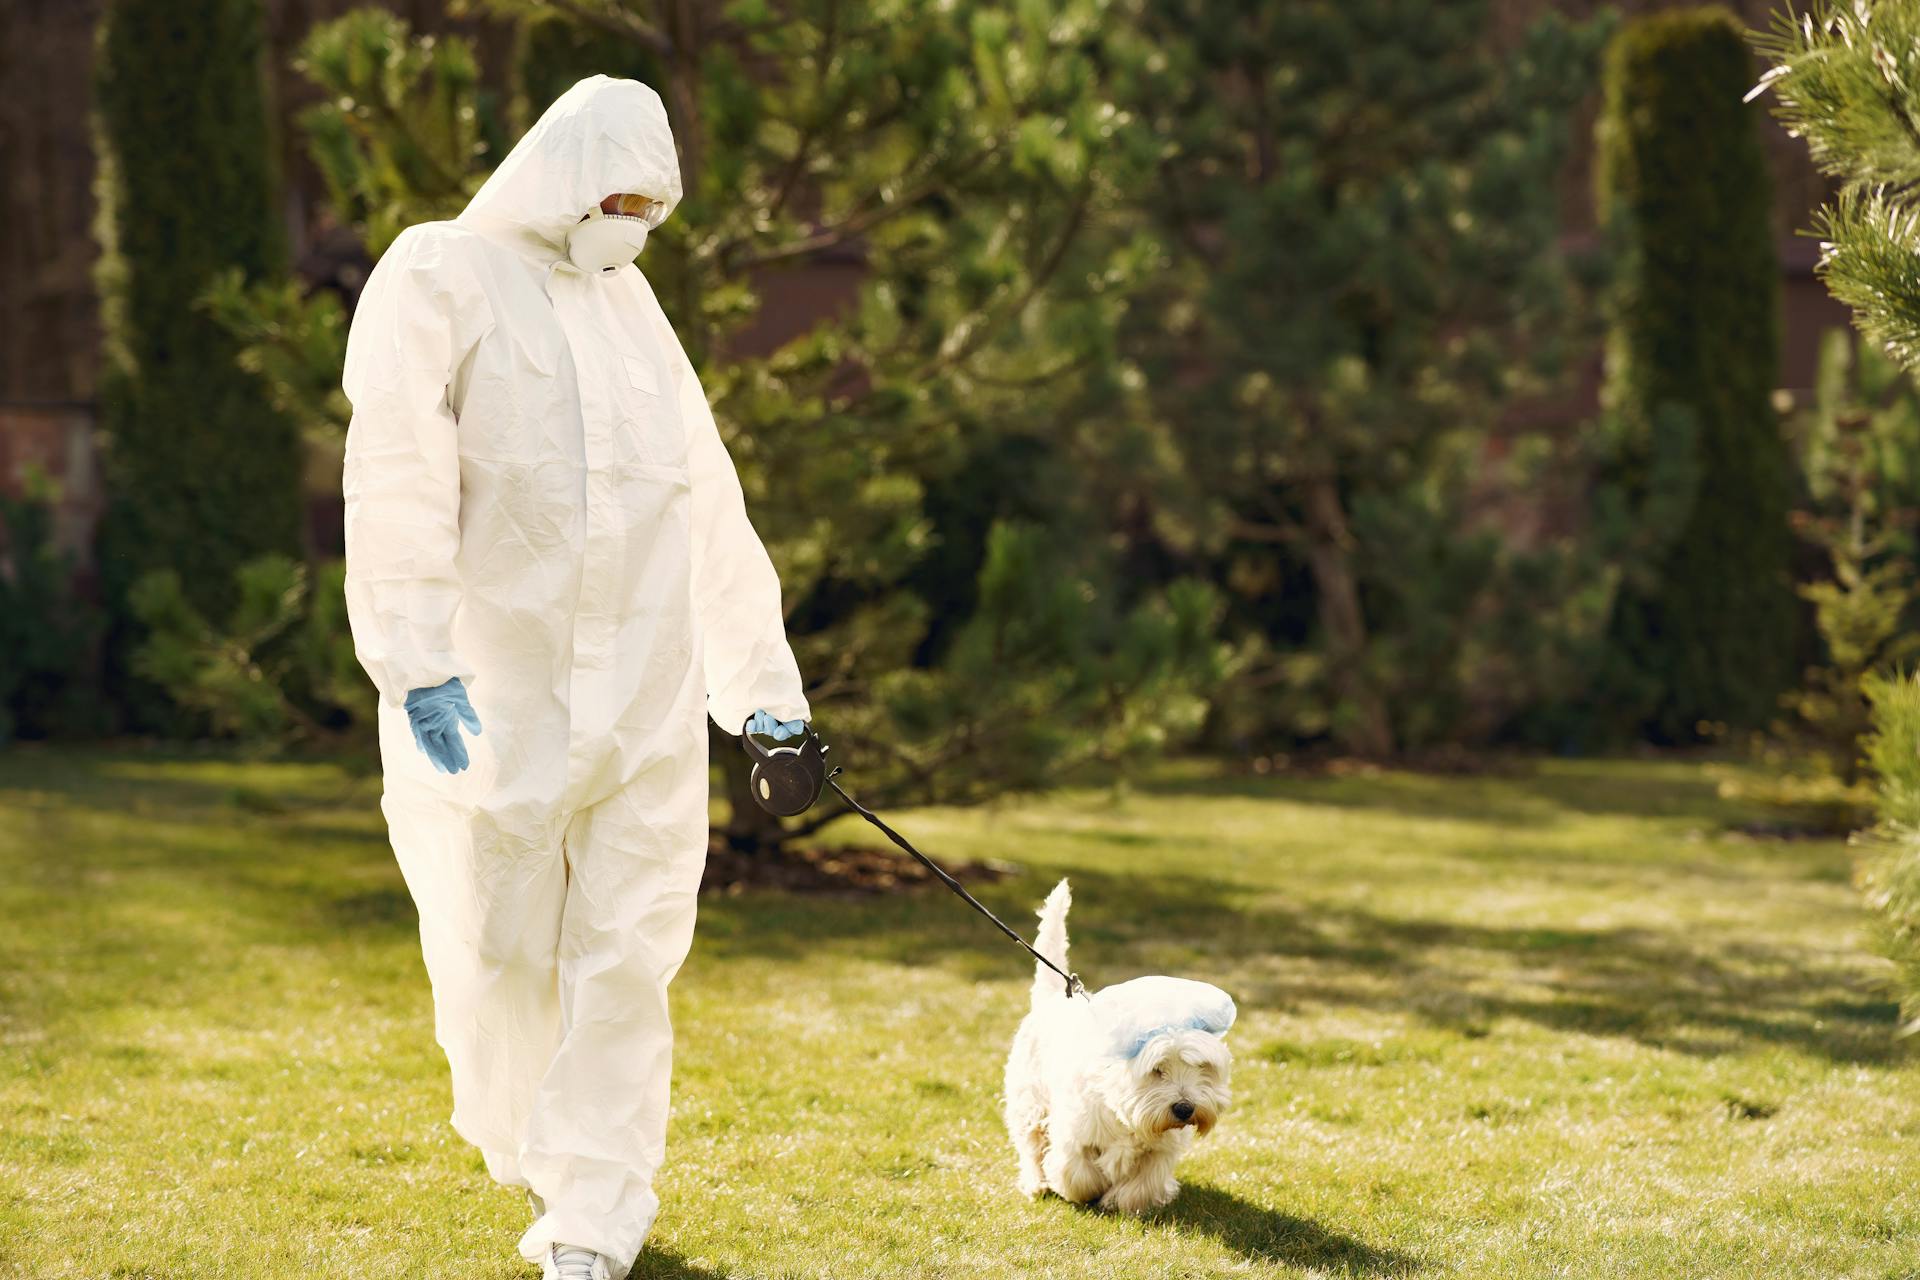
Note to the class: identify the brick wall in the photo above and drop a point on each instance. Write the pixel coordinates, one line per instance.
(54, 441)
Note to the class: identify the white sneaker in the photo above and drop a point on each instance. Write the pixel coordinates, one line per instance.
(569, 1262)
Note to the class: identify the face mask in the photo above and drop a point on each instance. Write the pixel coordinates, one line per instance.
(606, 242)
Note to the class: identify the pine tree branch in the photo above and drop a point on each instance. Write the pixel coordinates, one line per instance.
(865, 219)
(1871, 262)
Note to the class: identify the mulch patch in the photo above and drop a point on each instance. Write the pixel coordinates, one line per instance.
(832, 871)
(1453, 761)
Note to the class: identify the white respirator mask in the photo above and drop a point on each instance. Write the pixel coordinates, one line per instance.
(603, 243)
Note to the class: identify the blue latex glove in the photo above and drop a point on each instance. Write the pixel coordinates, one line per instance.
(436, 715)
(764, 723)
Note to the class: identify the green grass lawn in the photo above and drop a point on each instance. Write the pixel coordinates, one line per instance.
(1562, 1023)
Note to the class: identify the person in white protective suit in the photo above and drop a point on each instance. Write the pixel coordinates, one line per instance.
(541, 514)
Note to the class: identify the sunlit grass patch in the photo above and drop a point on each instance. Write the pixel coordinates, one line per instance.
(1561, 1021)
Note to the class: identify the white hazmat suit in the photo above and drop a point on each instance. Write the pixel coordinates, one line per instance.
(537, 501)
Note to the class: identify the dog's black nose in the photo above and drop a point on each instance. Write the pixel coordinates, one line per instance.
(1183, 1111)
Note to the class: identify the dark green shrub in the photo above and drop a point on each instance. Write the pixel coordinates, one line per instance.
(49, 634)
(202, 472)
(1361, 268)
(1684, 192)
(1859, 446)
(278, 668)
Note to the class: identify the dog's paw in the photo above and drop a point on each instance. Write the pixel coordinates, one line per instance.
(1031, 1184)
(1139, 1197)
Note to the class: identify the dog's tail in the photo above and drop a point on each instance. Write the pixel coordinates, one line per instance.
(1051, 942)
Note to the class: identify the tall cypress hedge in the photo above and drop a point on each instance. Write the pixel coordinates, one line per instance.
(1684, 191)
(201, 473)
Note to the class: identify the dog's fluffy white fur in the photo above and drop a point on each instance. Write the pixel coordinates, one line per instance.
(1091, 1125)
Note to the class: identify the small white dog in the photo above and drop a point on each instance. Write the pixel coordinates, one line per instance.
(1105, 1094)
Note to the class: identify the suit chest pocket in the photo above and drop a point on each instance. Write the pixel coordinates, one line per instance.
(641, 375)
(649, 432)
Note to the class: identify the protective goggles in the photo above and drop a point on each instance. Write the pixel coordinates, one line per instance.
(646, 208)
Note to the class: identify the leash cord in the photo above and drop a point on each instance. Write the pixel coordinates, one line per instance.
(1075, 987)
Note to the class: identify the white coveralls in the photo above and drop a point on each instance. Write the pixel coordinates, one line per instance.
(537, 501)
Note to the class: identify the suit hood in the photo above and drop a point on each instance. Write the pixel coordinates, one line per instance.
(600, 137)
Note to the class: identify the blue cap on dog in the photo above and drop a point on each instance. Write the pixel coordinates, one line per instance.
(1131, 1013)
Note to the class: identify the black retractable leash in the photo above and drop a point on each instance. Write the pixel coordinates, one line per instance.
(787, 780)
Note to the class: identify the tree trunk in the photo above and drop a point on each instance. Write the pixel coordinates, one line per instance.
(1330, 558)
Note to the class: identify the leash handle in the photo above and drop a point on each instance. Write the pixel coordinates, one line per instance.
(1075, 987)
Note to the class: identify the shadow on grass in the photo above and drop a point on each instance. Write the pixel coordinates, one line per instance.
(1704, 994)
(373, 909)
(163, 780)
(1701, 995)
(1261, 1234)
(1519, 794)
(665, 1264)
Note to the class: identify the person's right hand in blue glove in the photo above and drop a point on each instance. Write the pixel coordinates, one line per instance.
(436, 715)
(764, 723)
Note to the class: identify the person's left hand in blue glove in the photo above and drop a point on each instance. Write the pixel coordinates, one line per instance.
(764, 723)
(436, 715)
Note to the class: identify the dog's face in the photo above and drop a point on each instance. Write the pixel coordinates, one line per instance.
(1178, 1078)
